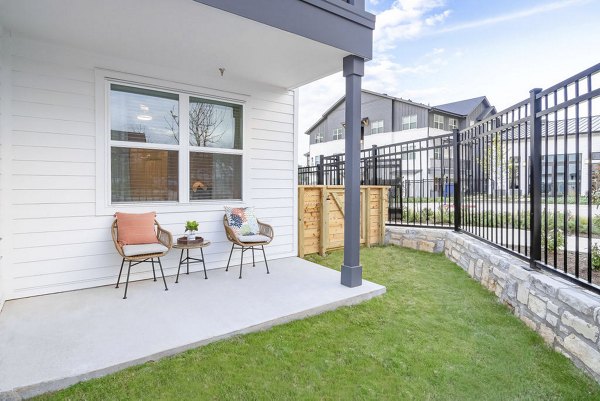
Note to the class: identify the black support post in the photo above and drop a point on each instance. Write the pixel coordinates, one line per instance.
(321, 171)
(375, 175)
(351, 268)
(456, 175)
(535, 215)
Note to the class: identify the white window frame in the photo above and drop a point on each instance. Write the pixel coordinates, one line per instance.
(104, 206)
(438, 121)
(408, 122)
(376, 126)
(338, 133)
(319, 136)
(453, 123)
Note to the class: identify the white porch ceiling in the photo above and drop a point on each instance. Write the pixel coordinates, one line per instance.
(180, 34)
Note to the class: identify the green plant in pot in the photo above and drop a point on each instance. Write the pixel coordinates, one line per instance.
(191, 227)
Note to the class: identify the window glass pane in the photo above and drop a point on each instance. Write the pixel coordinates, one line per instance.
(139, 175)
(215, 124)
(143, 115)
(215, 176)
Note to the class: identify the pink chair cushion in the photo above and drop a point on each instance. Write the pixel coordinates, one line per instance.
(136, 229)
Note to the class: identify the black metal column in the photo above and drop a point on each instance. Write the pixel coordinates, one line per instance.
(457, 184)
(374, 166)
(351, 268)
(321, 171)
(535, 214)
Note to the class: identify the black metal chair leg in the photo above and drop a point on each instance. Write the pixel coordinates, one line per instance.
(179, 267)
(253, 264)
(241, 261)
(265, 256)
(163, 274)
(187, 255)
(153, 270)
(229, 260)
(120, 271)
(203, 264)
(127, 282)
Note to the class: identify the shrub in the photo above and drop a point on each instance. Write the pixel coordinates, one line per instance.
(548, 239)
(595, 257)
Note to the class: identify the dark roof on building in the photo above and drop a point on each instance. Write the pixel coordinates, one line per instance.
(462, 107)
(465, 107)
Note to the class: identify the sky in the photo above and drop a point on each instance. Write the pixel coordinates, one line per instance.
(440, 51)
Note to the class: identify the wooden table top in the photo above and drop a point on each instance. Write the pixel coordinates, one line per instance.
(192, 245)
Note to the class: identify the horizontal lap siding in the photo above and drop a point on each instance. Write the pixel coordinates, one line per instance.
(59, 243)
(2, 168)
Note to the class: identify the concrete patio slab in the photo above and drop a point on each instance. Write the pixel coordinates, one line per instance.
(53, 341)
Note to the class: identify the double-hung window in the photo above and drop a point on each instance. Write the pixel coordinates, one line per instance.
(338, 133)
(438, 121)
(215, 137)
(409, 122)
(318, 136)
(159, 155)
(377, 127)
(452, 123)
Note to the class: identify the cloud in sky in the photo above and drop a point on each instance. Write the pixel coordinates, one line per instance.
(435, 51)
(512, 16)
(406, 19)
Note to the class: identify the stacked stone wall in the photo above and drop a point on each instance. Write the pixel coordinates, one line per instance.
(563, 313)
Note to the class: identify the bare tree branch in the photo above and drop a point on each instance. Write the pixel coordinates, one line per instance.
(205, 119)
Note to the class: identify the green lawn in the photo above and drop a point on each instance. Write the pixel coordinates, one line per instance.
(435, 335)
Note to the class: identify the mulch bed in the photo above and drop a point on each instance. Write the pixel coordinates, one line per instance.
(560, 264)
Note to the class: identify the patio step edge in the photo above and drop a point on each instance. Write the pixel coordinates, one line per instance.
(33, 390)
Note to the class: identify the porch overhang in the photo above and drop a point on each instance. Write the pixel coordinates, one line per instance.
(280, 43)
(337, 23)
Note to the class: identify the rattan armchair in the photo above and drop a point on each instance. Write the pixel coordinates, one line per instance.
(145, 253)
(264, 237)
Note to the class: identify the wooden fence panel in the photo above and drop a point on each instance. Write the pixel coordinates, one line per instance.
(321, 217)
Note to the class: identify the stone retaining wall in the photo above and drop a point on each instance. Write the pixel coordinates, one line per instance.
(564, 314)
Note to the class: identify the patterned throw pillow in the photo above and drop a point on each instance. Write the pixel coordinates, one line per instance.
(242, 220)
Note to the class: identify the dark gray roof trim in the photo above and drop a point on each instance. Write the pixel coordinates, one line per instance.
(486, 113)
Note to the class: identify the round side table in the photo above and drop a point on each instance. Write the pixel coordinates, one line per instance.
(185, 248)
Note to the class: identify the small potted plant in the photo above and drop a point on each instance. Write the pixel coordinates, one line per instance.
(191, 227)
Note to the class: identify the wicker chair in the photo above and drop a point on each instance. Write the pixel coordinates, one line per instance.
(264, 237)
(145, 253)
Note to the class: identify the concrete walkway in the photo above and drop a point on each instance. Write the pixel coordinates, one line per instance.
(52, 341)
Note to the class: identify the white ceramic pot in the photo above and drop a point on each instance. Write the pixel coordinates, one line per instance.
(191, 236)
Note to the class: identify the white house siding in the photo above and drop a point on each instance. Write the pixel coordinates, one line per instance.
(3, 148)
(60, 242)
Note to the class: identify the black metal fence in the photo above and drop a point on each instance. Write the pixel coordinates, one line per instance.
(528, 179)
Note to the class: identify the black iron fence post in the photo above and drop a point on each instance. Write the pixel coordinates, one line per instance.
(535, 196)
(457, 188)
(374, 165)
(321, 171)
(338, 172)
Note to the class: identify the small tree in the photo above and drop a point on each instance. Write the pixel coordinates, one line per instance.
(595, 188)
(493, 162)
